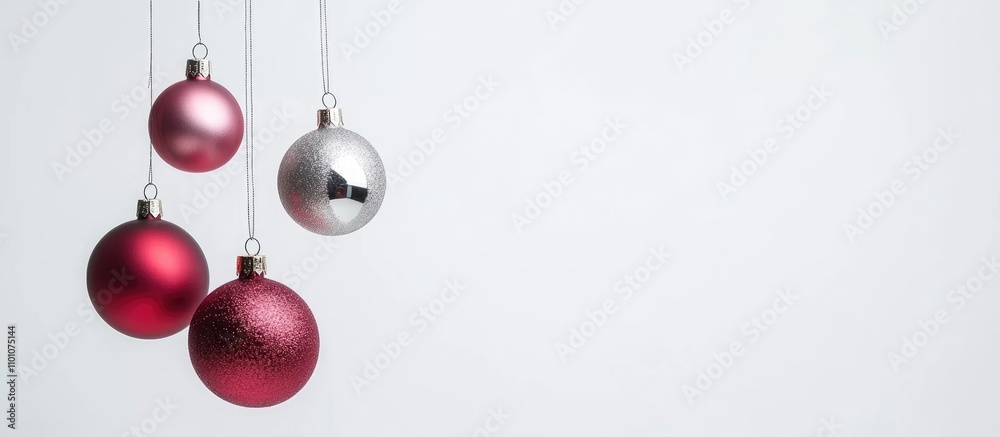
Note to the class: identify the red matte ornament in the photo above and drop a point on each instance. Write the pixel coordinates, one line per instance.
(147, 276)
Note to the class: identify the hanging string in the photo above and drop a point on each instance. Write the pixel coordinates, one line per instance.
(149, 181)
(248, 126)
(199, 21)
(199, 43)
(323, 50)
(324, 55)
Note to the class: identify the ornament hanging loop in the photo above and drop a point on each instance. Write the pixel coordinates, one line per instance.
(145, 191)
(246, 246)
(330, 95)
(194, 51)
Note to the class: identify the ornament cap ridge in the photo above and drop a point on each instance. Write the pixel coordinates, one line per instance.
(149, 207)
(251, 266)
(198, 67)
(330, 117)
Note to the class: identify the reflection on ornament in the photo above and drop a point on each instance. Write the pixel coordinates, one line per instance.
(331, 181)
(147, 276)
(196, 125)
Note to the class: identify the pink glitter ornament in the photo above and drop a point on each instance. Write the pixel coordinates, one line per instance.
(253, 341)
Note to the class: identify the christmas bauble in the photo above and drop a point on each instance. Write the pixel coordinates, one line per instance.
(331, 181)
(147, 276)
(253, 341)
(196, 125)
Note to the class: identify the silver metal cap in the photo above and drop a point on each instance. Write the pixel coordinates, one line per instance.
(248, 267)
(149, 207)
(198, 67)
(330, 117)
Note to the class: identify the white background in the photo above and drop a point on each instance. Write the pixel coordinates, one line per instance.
(823, 361)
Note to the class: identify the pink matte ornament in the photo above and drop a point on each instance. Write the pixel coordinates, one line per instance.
(196, 125)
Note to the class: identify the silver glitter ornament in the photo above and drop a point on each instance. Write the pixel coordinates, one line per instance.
(331, 181)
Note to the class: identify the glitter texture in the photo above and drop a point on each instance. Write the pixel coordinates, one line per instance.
(254, 342)
(331, 181)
